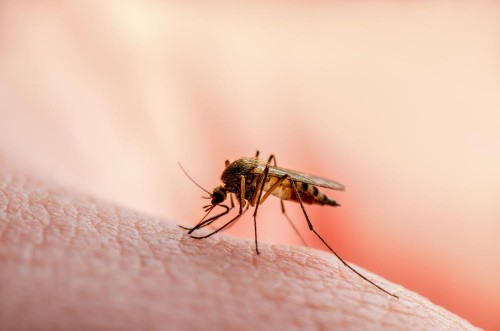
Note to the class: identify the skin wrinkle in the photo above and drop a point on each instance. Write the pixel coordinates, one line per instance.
(59, 228)
(11, 200)
(151, 262)
(129, 271)
(4, 202)
(39, 213)
(3, 197)
(108, 227)
(119, 239)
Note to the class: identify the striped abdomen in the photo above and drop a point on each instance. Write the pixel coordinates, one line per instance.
(309, 194)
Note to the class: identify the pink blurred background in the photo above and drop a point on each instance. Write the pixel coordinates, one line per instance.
(399, 101)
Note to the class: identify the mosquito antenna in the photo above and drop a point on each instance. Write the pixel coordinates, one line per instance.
(185, 172)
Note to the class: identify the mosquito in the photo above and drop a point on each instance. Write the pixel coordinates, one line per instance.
(251, 182)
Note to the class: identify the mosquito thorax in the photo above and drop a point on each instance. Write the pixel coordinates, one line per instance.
(231, 177)
(218, 195)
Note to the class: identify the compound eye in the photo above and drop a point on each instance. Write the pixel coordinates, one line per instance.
(218, 196)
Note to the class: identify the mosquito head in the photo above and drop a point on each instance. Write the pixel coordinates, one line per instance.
(218, 195)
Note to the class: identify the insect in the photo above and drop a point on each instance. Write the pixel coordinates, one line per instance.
(251, 182)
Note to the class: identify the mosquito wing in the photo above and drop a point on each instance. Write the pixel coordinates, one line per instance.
(303, 177)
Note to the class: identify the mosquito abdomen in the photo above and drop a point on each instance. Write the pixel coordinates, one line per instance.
(311, 194)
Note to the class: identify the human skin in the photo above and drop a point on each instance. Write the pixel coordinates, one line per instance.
(69, 261)
(398, 102)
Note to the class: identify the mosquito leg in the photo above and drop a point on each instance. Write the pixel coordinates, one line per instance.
(311, 227)
(209, 221)
(232, 201)
(244, 211)
(269, 192)
(257, 196)
(271, 158)
(208, 210)
(291, 223)
(205, 222)
(241, 200)
(242, 193)
(273, 188)
(261, 182)
(221, 228)
(284, 211)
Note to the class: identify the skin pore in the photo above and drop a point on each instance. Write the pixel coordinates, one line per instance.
(71, 261)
